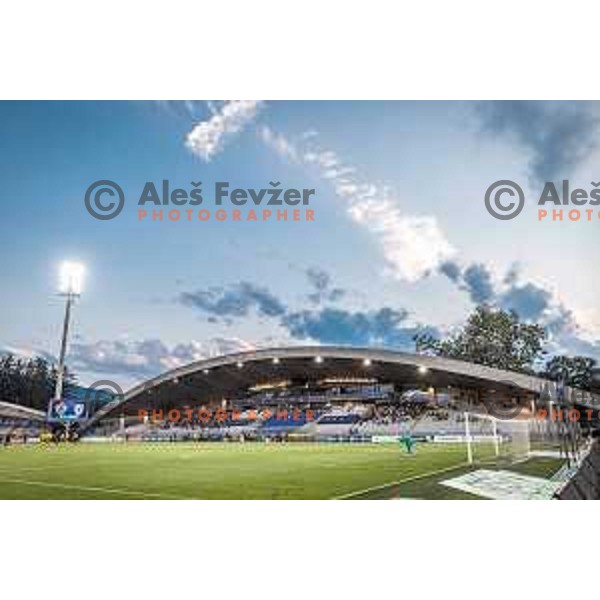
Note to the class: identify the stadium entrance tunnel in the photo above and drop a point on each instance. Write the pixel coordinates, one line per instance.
(260, 377)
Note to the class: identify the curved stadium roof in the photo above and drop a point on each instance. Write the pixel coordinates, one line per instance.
(214, 378)
(15, 411)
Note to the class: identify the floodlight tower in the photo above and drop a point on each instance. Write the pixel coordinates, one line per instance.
(70, 285)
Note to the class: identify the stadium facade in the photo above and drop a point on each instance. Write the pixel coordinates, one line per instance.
(357, 373)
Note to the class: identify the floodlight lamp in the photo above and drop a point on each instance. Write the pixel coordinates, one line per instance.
(71, 278)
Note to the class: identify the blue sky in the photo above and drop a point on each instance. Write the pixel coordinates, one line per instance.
(387, 176)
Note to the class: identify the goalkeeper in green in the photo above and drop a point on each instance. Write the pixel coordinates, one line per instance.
(408, 442)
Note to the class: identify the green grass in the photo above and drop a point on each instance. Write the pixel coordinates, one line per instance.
(430, 488)
(226, 471)
(538, 467)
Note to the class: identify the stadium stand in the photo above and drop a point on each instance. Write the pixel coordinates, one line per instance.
(19, 423)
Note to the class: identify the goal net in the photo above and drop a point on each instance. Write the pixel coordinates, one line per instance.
(489, 439)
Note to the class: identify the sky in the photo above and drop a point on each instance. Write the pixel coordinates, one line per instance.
(401, 241)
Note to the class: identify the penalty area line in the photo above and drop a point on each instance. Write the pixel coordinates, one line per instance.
(400, 481)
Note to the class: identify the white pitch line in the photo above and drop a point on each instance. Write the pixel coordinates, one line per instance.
(4, 470)
(18, 470)
(405, 480)
(85, 488)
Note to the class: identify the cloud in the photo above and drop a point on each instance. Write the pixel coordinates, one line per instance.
(477, 280)
(128, 361)
(452, 270)
(27, 353)
(530, 301)
(559, 135)
(320, 281)
(145, 358)
(383, 327)
(568, 337)
(235, 301)
(208, 138)
(413, 246)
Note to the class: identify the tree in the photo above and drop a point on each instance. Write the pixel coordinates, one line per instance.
(29, 381)
(575, 371)
(491, 337)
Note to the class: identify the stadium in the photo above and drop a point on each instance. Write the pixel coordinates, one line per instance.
(303, 422)
(441, 365)
(342, 387)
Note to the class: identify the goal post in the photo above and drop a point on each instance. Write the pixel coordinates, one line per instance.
(490, 439)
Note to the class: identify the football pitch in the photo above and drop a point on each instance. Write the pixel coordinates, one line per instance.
(237, 471)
